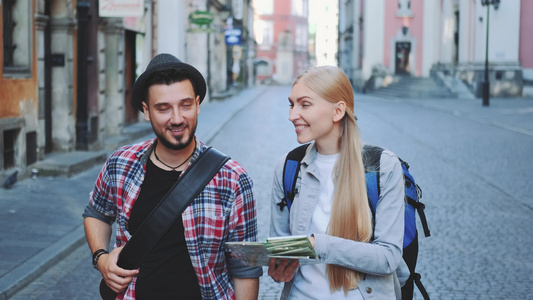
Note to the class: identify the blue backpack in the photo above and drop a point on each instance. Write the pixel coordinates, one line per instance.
(371, 159)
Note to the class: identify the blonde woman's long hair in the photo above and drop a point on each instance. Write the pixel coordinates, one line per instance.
(350, 213)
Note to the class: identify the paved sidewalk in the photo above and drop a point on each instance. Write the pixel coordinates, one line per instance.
(40, 219)
(513, 114)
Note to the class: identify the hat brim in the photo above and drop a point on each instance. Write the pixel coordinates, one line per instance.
(138, 90)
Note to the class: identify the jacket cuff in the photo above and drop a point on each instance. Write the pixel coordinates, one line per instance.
(321, 245)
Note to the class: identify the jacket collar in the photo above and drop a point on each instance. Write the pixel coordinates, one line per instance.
(310, 154)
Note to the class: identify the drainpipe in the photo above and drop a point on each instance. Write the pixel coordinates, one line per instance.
(209, 93)
(48, 79)
(82, 133)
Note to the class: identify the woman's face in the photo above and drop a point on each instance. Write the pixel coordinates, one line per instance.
(313, 117)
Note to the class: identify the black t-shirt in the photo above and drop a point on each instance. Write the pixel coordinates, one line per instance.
(167, 271)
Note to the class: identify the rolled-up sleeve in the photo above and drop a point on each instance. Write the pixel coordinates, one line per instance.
(246, 229)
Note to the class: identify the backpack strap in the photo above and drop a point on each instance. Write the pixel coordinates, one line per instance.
(420, 286)
(414, 192)
(419, 206)
(371, 162)
(291, 168)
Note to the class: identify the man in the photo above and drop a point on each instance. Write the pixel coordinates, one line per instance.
(189, 262)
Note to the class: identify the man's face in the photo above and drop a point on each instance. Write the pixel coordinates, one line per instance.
(173, 112)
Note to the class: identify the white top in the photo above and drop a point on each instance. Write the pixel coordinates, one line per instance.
(311, 281)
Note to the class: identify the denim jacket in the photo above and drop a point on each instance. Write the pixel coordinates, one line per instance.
(381, 260)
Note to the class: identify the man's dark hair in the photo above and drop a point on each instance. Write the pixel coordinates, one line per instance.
(168, 77)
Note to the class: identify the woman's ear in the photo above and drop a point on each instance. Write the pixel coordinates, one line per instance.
(340, 111)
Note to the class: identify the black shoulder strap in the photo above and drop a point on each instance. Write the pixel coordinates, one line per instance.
(291, 168)
(186, 188)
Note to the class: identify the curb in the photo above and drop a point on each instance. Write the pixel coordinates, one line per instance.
(70, 164)
(25, 273)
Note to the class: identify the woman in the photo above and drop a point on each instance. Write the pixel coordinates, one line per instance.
(331, 206)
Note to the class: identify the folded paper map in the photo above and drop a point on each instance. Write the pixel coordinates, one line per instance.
(286, 247)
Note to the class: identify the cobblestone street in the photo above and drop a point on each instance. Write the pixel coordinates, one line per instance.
(471, 162)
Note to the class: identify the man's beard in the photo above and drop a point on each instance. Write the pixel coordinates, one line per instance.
(180, 146)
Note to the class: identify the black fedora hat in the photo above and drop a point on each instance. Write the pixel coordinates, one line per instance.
(165, 61)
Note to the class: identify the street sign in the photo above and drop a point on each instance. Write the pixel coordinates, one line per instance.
(120, 8)
(199, 17)
(233, 36)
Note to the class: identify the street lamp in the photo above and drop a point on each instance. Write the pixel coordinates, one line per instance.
(485, 91)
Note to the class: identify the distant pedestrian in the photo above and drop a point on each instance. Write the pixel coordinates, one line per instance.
(358, 259)
(190, 260)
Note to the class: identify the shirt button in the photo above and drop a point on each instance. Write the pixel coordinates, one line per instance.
(369, 290)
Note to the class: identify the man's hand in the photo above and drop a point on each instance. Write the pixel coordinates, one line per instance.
(284, 271)
(115, 277)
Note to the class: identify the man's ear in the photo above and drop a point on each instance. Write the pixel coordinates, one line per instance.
(146, 112)
(198, 104)
(339, 111)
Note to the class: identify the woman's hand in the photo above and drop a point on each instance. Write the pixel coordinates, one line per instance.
(284, 271)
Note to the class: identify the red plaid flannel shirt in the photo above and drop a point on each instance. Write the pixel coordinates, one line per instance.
(224, 211)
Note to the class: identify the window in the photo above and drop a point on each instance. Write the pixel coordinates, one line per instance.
(31, 147)
(264, 33)
(16, 36)
(301, 37)
(264, 7)
(404, 8)
(9, 148)
(299, 8)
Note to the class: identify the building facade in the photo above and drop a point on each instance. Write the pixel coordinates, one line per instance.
(68, 66)
(323, 32)
(214, 36)
(65, 74)
(281, 31)
(422, 38)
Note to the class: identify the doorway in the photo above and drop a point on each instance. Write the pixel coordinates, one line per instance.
(402, 54)
(129, 74)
